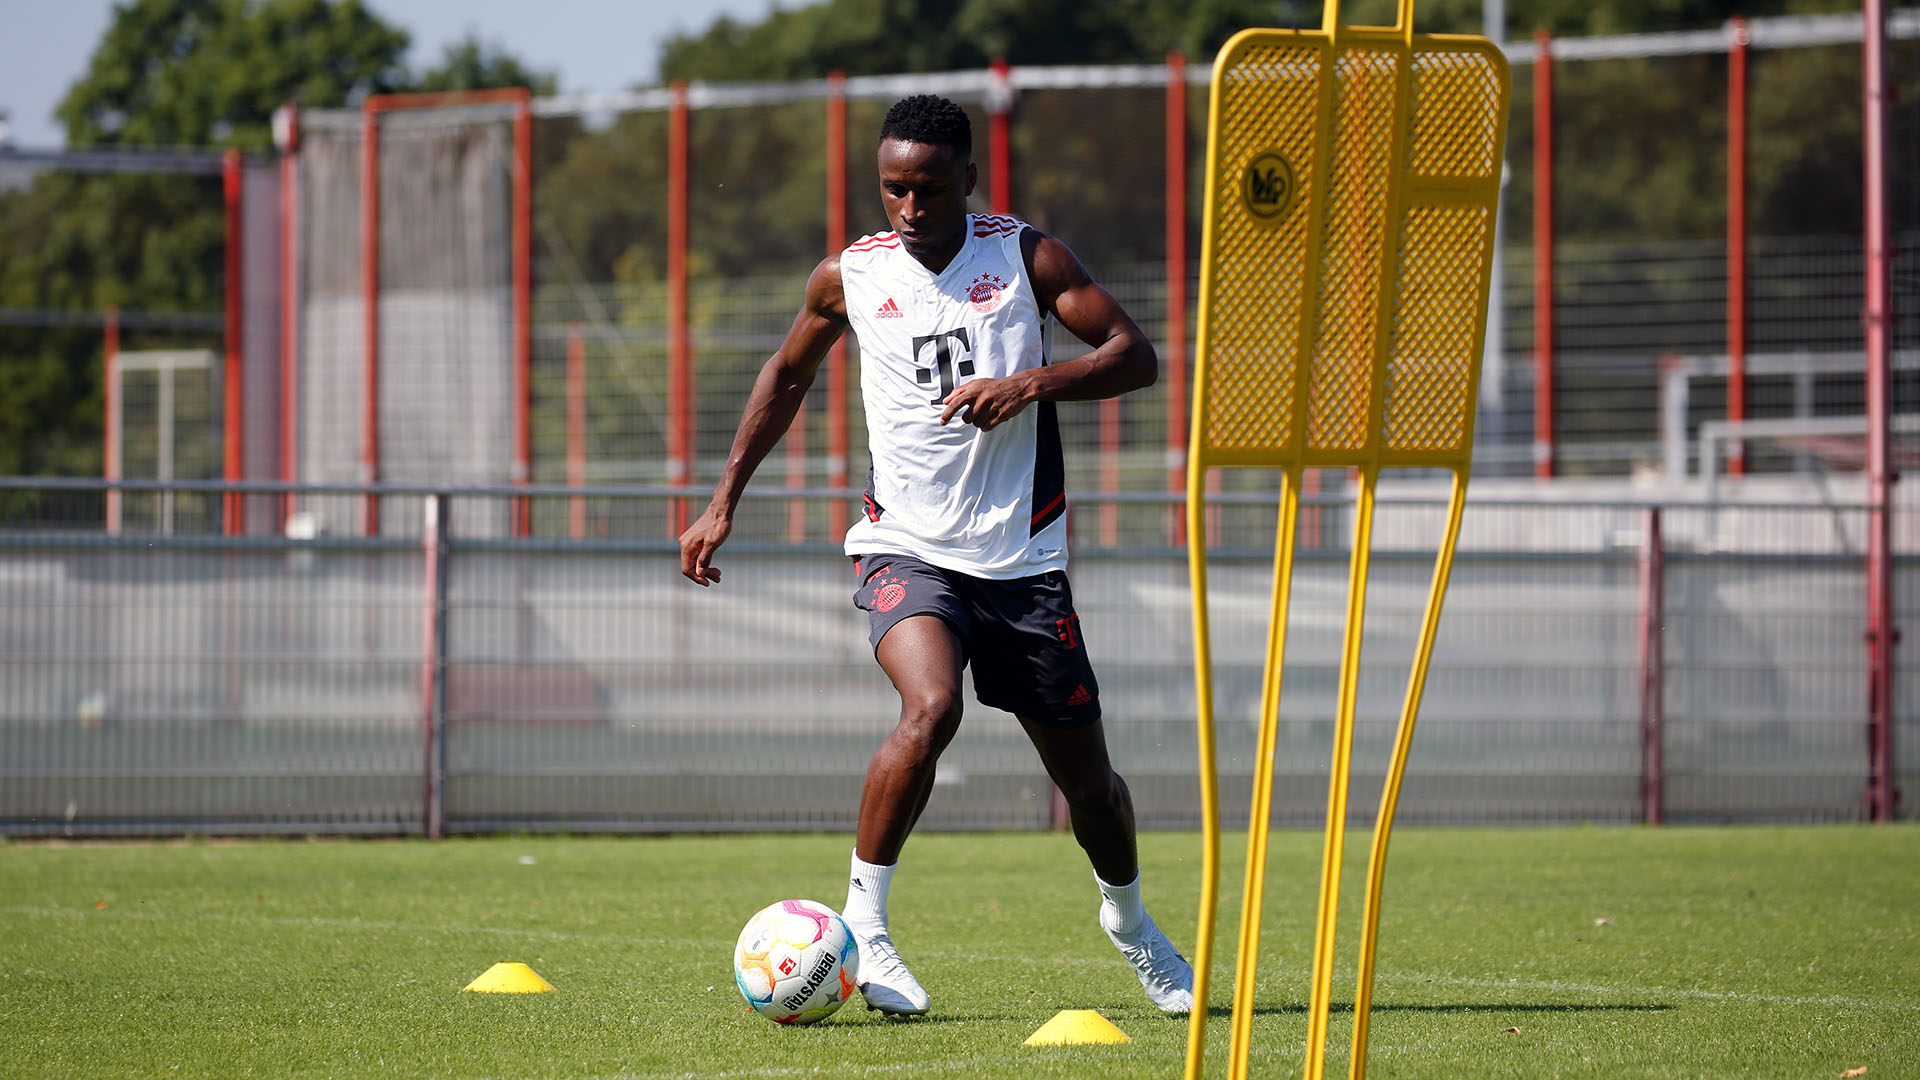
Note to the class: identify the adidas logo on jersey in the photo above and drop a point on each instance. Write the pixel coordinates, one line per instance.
(888, 310)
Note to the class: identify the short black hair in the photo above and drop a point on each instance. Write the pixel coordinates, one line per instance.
(931, 119)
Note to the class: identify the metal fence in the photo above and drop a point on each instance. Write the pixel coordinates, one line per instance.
(1648, 310)
(662, 264)
(157, 681)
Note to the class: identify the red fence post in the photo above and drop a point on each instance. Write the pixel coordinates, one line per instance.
(1176, 365)
(522, 309)
(234, 414)
(289, 139)
(1653, 616)
(110, 375)
(1000, 137)
(1737, 241)
(1543, 465)
(370, 317)
(1882, 797)
(680, 353)
(837, 356)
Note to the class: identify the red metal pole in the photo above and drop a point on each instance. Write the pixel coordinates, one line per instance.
(999, 139)
(111, 374)
(1737, 241)
(1176, 365)
(1882, 798)
(523, 308)
(289, 308)
(235, 415)
(370, 316)
(1542, 255)
(680, 354)
(576, 430)
(837, 356)
(1653, 616)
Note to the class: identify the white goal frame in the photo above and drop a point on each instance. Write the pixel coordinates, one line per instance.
(166, 362)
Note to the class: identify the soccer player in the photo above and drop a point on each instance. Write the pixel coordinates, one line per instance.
(961, 554)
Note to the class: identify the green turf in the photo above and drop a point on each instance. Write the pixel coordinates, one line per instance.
(1748, 952)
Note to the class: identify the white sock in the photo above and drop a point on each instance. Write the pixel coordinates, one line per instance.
(867, 886)
(1121, 911)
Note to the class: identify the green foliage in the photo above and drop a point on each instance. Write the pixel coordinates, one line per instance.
(473, 64)
(87, 243)
(206, 72)
(866, 37)
(862, 37)
(1640, 144)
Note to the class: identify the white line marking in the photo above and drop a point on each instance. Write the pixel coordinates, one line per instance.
(1654, 991)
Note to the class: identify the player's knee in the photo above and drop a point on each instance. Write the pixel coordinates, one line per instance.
(1099, 791)
(929, 718)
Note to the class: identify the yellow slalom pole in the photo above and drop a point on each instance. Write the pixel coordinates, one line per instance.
(1261, 813)
(1322, 992)
(1390, 795)
(1209, 788)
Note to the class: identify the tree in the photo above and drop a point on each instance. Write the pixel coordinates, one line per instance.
(211, 72)
(472, 64)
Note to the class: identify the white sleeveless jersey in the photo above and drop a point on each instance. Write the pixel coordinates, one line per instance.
(987, 503)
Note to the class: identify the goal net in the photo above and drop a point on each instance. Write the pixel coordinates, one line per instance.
(443, 409)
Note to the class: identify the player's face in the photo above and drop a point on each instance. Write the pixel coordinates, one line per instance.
(924, 188)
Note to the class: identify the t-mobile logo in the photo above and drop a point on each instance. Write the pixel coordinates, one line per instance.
(947, 369)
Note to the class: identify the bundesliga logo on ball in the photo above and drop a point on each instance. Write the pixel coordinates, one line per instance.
(796, 962)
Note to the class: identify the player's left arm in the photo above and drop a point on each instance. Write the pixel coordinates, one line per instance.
(1122, 359)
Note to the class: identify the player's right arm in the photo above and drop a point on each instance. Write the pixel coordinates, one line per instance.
(776, 397)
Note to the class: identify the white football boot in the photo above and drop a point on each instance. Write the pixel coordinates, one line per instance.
(1167, 976)
(886, 983)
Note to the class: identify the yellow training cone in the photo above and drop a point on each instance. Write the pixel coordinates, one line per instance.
(507, 977)
(1073, 1027)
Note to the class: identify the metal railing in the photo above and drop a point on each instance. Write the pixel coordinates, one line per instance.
(446, 676)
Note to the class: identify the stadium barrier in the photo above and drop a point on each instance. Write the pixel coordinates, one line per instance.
(455, 678)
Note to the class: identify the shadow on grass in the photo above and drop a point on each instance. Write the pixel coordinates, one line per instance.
(1347, 1007)
(934, 1018)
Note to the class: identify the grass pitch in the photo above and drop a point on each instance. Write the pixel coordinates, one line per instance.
(1749, 952)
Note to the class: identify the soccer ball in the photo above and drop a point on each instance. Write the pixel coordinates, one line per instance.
(796, 962)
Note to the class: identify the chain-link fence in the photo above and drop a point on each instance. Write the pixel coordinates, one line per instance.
(193, 681)
(672, 230)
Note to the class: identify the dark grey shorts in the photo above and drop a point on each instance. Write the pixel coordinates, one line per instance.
(1021, 636)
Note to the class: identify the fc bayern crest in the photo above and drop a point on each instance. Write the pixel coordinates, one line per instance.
(987, 293)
